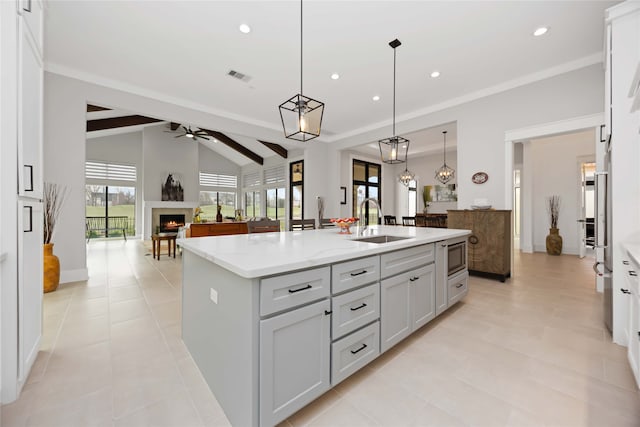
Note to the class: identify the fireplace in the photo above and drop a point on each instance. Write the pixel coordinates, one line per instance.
(171, 223)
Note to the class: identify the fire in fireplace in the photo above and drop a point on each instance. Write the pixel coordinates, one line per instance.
(171, 223)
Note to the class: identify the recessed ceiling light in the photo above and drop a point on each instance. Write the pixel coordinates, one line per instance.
(244, 28)
(435, 74)
(376, 98)
(540, 31)
(335, 76)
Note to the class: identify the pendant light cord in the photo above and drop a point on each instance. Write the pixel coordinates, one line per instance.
(300, 47)
(394, 91)
(444, 148)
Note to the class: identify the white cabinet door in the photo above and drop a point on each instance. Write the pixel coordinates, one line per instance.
(29, 116)
(395, 315)
(423, 296)
(442, 274)
(294, 360)
(29, 286)
(32, 15)
(407, 303)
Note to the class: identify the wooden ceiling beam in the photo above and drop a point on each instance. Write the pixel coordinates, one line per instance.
(235, 145)
(174, 125)
(119, 122)
(279, 149)
(91, 108)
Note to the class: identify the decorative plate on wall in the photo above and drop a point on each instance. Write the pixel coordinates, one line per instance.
(479, 177)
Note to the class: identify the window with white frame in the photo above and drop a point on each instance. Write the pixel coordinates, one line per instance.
(252, 183)
(274, 183)
(217, 189)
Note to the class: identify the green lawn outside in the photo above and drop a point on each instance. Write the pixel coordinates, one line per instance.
(118, 210)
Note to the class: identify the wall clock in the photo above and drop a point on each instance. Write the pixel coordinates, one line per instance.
(479, 178)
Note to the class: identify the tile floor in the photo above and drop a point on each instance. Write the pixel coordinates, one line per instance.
(531, 352)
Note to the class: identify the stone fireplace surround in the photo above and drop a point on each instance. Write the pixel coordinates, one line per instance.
(153, 210)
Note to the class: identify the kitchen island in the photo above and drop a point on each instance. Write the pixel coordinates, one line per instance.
(274, 320)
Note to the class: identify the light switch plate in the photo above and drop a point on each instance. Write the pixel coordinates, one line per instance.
(213, 295)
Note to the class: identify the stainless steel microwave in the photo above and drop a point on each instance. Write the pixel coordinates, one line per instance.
(457, 257)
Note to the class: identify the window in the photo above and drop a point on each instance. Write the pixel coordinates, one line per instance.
(110, 195)
(366, 184)
(296, 190)
(413, 198)
(217, 189)
(252, 204)
(274, 180)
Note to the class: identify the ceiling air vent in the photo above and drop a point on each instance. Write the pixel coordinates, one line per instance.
(239, 76)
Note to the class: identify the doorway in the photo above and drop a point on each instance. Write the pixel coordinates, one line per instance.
(533, 218)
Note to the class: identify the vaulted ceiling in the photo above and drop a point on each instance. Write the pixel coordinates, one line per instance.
(183, 51)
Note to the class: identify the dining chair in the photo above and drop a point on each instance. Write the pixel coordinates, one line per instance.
(263, 226)
(409, 220)
(302, 224)
(390, 220)
(326, 223)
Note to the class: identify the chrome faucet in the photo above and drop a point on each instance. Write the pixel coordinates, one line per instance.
(361, 220)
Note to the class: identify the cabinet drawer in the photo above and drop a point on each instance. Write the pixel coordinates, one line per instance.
(406, 259)
(458, 287)
(349, 275)
(354, 351)
(355, 309)
(290, 290)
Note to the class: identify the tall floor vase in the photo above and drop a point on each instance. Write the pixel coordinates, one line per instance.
(554, 242)
(51, 269)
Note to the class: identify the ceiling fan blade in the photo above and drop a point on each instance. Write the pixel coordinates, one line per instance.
(204, 137)
(178, 136)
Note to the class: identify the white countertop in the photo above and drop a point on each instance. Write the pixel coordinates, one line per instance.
(265, 254)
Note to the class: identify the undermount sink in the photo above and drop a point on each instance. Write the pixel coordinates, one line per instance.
(380, 239)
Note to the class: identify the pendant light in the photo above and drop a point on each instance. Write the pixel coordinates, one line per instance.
(406, 177)
(301, 116)
(391, 148)
(445, 173)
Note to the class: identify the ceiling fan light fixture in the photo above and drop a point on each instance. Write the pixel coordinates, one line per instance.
(445, 174)
(391, 148)
(301, 116)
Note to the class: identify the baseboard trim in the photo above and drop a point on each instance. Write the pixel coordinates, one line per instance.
(565, 250)
(67, 276)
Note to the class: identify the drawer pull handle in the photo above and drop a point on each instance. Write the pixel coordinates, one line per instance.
(413, 279)
(473, 240)
(625, 262)
(460, 285)
(359, 350)
(357, 274)
(293, 291)
(625, 291)
(632, 273)
(327, 312)
(363, 305)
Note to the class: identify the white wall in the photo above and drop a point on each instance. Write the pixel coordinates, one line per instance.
(163, 154)
(424, 167)
(122, 148)
(556, 172)
(481, 125)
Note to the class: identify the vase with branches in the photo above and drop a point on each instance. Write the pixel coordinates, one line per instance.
(554, 239)
(54, 197)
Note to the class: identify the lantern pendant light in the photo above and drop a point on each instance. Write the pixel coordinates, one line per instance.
(301, 116)
(391, 148)
(445, 173)
(406, 177)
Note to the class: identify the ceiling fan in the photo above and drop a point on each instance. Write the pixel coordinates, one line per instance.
(195, 135)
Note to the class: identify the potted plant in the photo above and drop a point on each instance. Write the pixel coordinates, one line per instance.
(554, 239)
(54, 196)
(426, 197)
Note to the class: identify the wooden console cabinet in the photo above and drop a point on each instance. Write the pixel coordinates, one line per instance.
(218, 229)
(489, 248)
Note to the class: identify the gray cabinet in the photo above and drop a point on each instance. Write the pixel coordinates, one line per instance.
(442, 273)
(294, 360)
(407, 303)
